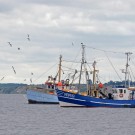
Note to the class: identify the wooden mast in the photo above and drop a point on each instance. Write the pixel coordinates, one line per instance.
(59, 73)
(94, 75)
(94, 90)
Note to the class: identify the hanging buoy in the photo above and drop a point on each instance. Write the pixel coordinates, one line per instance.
(59, 84)
(100, 85)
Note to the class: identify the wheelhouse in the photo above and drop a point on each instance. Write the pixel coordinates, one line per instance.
(121, 93)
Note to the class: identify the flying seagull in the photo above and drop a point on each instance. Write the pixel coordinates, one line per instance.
(10, 44)
(18, 48)
(13, 69)
(72, 44)
(2, 78)
(31, 80)
(28, 37)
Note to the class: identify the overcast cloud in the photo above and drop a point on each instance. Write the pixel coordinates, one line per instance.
(53, 26)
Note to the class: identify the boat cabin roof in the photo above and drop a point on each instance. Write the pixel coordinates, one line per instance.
(119, 86)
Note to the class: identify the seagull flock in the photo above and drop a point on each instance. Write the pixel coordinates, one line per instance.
(28, 38)
(10, 44)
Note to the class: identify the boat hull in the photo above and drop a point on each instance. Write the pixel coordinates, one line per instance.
(67, 99)
(36, 97)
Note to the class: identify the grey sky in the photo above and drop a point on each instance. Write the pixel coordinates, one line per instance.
(53, 25)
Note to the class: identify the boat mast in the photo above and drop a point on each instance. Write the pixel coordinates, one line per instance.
(60, 60)
(94, 91)
(82, 62)
(94, 75)
(127, 70)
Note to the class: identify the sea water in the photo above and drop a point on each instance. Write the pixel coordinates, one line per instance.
(17, 117)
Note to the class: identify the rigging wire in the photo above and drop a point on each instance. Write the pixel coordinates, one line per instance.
(45, 72)
(103, 50)
(130, 76)
(112, 65)
(71, 70)
(71, 61)
(68, 68)
(132, 73)
(131, 69)
(89, 66)
(101, 78)
(132, 62)
(75, 58)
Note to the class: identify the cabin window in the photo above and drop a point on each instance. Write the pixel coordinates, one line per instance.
(124, 91)
(114, 91)
(120, 90)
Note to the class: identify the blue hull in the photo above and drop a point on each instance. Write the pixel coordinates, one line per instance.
(35, 97)
(67, 99)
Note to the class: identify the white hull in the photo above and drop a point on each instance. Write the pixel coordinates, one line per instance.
(64, 104)
(41, 97)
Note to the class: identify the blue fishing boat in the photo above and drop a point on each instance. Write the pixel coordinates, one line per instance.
(118, 97)
(69, 99)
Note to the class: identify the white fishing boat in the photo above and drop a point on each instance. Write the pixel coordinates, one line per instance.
(44, 94)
